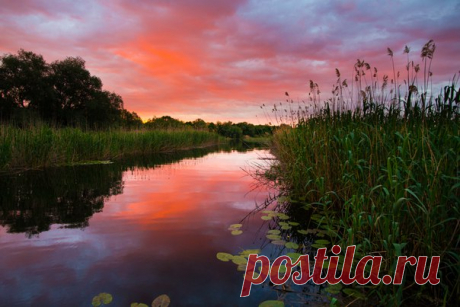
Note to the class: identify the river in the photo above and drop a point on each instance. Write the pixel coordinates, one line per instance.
(136, 229)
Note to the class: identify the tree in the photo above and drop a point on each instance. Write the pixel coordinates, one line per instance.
(199, 124)
(76, 91)
(24, 83)
(130, 119)
(165, 122)
(63, 92)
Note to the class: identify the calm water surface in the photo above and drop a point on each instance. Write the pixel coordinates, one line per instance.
(135, 229)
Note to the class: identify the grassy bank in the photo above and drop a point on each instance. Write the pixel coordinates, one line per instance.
(42, 146)
(384, 176)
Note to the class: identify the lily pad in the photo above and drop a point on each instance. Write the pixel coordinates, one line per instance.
(272, 304)
(282, 268)
(96, 301)
(224, 257)
(106, 298)
(102, 298)
(266, 217)
(236, 232)
(273, 237)
(292, 245)
(302, 231)
(283, 224)
(92, 162)
(293, 223)
(273, 232)
(239, 260)
(241, 268)
(283, 216)
(248, 252)
(138, 305)
(294, 256)
(235, 226)
(322, 242)
(161, 301)
(286, 227)
(279, 242)
(283, 199)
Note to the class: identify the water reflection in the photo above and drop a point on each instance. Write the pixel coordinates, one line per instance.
(158, 227)
(69, 196)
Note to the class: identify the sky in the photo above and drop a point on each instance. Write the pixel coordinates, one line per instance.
(221, 60)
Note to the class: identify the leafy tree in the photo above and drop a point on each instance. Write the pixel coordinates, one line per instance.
(212, 127)
(229, 130)
(63, 92)
(74, 88)
(165, 122)
(24, 83)
(130, 119)
(199, 124)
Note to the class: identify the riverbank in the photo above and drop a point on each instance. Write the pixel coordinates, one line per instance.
(41, 146)
(384, 179)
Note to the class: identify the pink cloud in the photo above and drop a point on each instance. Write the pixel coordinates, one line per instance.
(221, 60)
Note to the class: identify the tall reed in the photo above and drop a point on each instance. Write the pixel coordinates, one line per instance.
(42, 146)
(383, 169)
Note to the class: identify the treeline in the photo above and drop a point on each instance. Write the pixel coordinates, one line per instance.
(63, 93)
(226, 129)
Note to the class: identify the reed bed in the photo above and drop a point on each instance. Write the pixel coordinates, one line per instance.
(384, 173)
(41, 146)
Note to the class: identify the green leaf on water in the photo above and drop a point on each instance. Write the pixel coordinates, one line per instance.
(96, 301)
(282, 268)
(286, 227)
(302, 231)
(224, 257)
(239, 260)
(274, 232)
(294, 256)
(283, 216)
(106, 298)
(235, 226)
(236, 232)
(279, 242)
(273, 237)
(283, 224)
(272, 304)
(292, 245)
(322, 242)
(138, 305)
(266, 217)
(293, 223)
(247, 252)
(91, 162)
(241, 267)
(282, 199)
(161, 301)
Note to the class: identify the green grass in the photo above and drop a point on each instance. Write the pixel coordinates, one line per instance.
(385, 176)
(261, 140)
(41, 146)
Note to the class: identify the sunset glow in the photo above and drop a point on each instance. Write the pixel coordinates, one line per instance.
(221, 60)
